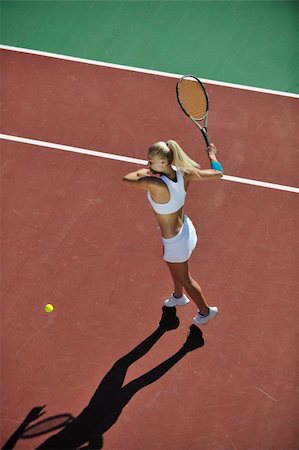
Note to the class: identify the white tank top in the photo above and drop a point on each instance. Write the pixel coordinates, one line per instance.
(177, 195)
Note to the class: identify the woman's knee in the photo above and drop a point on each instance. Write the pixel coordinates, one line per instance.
(187, 281)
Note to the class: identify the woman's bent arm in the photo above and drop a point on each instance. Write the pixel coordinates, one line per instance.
(205, 174)
(141, 179)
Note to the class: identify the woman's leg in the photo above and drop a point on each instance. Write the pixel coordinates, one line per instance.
(178, 287)
(180, 273)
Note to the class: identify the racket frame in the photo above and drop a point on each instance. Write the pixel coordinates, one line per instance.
(204, 128)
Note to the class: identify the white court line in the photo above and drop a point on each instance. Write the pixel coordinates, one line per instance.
(147, 71)
(85, 151)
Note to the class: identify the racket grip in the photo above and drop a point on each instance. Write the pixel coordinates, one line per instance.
(206, 136)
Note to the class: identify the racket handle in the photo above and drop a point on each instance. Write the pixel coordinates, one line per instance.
(206, 136)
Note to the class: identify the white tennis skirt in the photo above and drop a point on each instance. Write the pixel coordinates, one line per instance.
(180, 247)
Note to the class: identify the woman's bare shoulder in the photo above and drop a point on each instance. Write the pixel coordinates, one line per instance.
(190, 175)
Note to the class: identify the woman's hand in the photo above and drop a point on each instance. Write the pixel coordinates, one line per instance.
(212, 151)
(144, 173)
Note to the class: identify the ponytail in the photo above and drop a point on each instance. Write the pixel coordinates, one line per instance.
(174, 154)
(180, 159)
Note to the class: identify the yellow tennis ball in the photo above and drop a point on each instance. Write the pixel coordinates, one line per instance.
(49, 308)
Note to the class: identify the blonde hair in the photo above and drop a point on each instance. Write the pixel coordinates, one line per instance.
(174, 154)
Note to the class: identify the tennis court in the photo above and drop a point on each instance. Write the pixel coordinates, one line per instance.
(75, 236)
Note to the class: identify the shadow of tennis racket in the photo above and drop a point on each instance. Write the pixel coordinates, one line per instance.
(47, 425)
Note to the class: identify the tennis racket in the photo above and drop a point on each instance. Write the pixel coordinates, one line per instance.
(194, 101)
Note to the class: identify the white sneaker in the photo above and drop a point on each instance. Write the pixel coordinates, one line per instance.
(173, 301)
(202, 320)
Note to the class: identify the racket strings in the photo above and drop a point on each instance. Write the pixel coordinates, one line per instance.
(193, 98)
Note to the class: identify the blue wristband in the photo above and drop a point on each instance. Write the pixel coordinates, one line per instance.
(217, 166)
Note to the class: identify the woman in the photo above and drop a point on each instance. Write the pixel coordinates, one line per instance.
(166, 188)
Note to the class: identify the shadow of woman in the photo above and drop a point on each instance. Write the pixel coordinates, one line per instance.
(111, 396)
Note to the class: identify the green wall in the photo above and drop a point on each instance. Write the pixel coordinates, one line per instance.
(253, 43)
